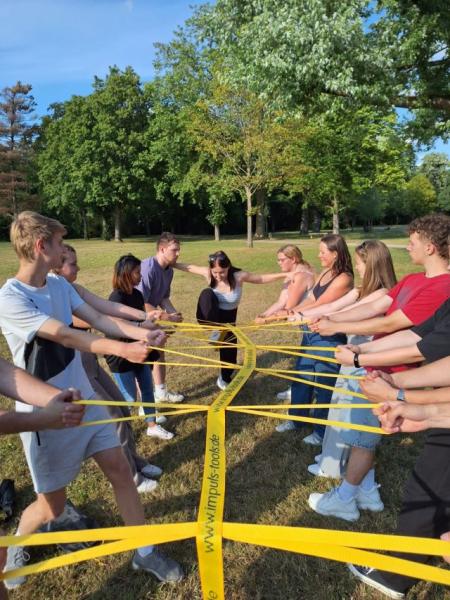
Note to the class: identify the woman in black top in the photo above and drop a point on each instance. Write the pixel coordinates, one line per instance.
(334, 281)
(129, 376)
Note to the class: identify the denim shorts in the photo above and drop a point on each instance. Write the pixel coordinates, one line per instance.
(358, 416)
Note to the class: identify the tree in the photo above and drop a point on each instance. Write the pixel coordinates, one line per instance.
(309, 53)
(93, 153)
(16, 135)
(251, 146)
(436, 167)
(419, 196)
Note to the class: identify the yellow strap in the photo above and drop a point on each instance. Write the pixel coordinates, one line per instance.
(340, 424)
(190, 355)
(311, 373)
(279, 348)
(212, 499)
(159, 535)
(341, 390)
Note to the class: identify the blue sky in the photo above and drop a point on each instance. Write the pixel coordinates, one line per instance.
(59, 45)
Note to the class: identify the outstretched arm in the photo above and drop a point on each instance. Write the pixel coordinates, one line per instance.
(393, 322)
(246, 276)
(338, 288)
(398, 417)
(194, 269)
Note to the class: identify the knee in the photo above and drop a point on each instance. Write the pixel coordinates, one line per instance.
(117, 469)
(51, 507)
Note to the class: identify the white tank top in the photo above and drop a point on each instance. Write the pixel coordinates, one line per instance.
(229, 300)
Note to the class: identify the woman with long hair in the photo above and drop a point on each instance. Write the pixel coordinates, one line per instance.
(334, 281)
(218, 303)
(295, 287)
(374, 265)
(131, 376)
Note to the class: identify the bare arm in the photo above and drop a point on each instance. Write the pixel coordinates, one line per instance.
(85, 341)
(393, 322)
(194, 269)
(399, 339)
(291, 295)
(364, 311)
(324, 309)
(398, 417)
(436, 374)
(378, 389)
(338, 288)
(113, 309)
(397, 356)
(246, 276)
(116, 328)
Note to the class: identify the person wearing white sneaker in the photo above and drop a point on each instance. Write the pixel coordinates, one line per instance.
(284, 395)
(128, 376)
(221, 384)
(218, 303)
(159, 432)
(332, 504)
(147, 486)
(154, 285)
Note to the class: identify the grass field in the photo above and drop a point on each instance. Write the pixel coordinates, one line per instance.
(267, 480)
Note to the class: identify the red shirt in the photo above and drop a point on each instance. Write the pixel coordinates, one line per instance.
(418, 297)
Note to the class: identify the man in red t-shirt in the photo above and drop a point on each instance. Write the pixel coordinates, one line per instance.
(409, 303)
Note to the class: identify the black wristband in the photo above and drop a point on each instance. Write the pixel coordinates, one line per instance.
(356, 360)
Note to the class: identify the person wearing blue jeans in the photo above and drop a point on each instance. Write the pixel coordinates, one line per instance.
(302, 393)
(127, 383)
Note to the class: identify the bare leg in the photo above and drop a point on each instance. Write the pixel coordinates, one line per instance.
(159, 371)
(359, 464)
(116, 468)
(44, 509)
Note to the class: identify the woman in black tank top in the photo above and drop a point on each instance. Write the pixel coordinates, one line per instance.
(335, 280)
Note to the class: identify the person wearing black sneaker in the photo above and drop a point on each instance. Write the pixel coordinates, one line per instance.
(425, 510)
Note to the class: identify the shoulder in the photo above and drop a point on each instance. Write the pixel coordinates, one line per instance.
(116, 296)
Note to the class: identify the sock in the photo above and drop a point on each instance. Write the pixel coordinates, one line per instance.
(347, 491)
(368, 483)
(160, 389)
(145, 551)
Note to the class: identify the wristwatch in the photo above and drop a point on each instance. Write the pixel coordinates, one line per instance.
(401, 395)
(356, 360)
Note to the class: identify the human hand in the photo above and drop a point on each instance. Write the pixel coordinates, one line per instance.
(345, 355)
(136, 352)
(175, 317)
(60, 412)
(323, 326)
(378, 389)
(401, 417)
(260, 320)
(446, 538)
(387, 377)
(156, 337)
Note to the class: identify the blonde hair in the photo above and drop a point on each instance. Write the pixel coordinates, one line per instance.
(293, 252)
(27, 228)
(380, 271)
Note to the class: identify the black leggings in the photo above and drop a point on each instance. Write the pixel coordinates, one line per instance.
(208, 312)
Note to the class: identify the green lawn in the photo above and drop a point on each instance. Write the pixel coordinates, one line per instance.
(267, 481)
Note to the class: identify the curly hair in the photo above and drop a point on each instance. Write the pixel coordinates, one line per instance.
(435, 228)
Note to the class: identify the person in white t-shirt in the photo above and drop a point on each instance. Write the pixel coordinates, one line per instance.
(35, 316)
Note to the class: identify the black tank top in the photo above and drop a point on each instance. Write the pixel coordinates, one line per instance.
(318, 290)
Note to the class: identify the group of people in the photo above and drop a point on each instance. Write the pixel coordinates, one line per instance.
(378, 329)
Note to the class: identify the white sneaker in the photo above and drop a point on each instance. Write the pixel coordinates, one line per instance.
(313, 439)
(221, 384)
(160, 419)
(151, 471)
(17, 558)
(331, 505)
(146, 486)
(286, 395)
(285, 426)
(314, 469)
(159, 432)
(318, 458)
(369, 500)
(172, 397)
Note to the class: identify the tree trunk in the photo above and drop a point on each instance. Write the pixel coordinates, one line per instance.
(249, 197)
(261, 215)
(105, 229)
(117, 232)
(85, 226)
(216, 233)
(335, 208)
(304, 221)
(317, 221)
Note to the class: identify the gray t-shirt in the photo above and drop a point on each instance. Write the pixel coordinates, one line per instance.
(23, 311)
(155, 281)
